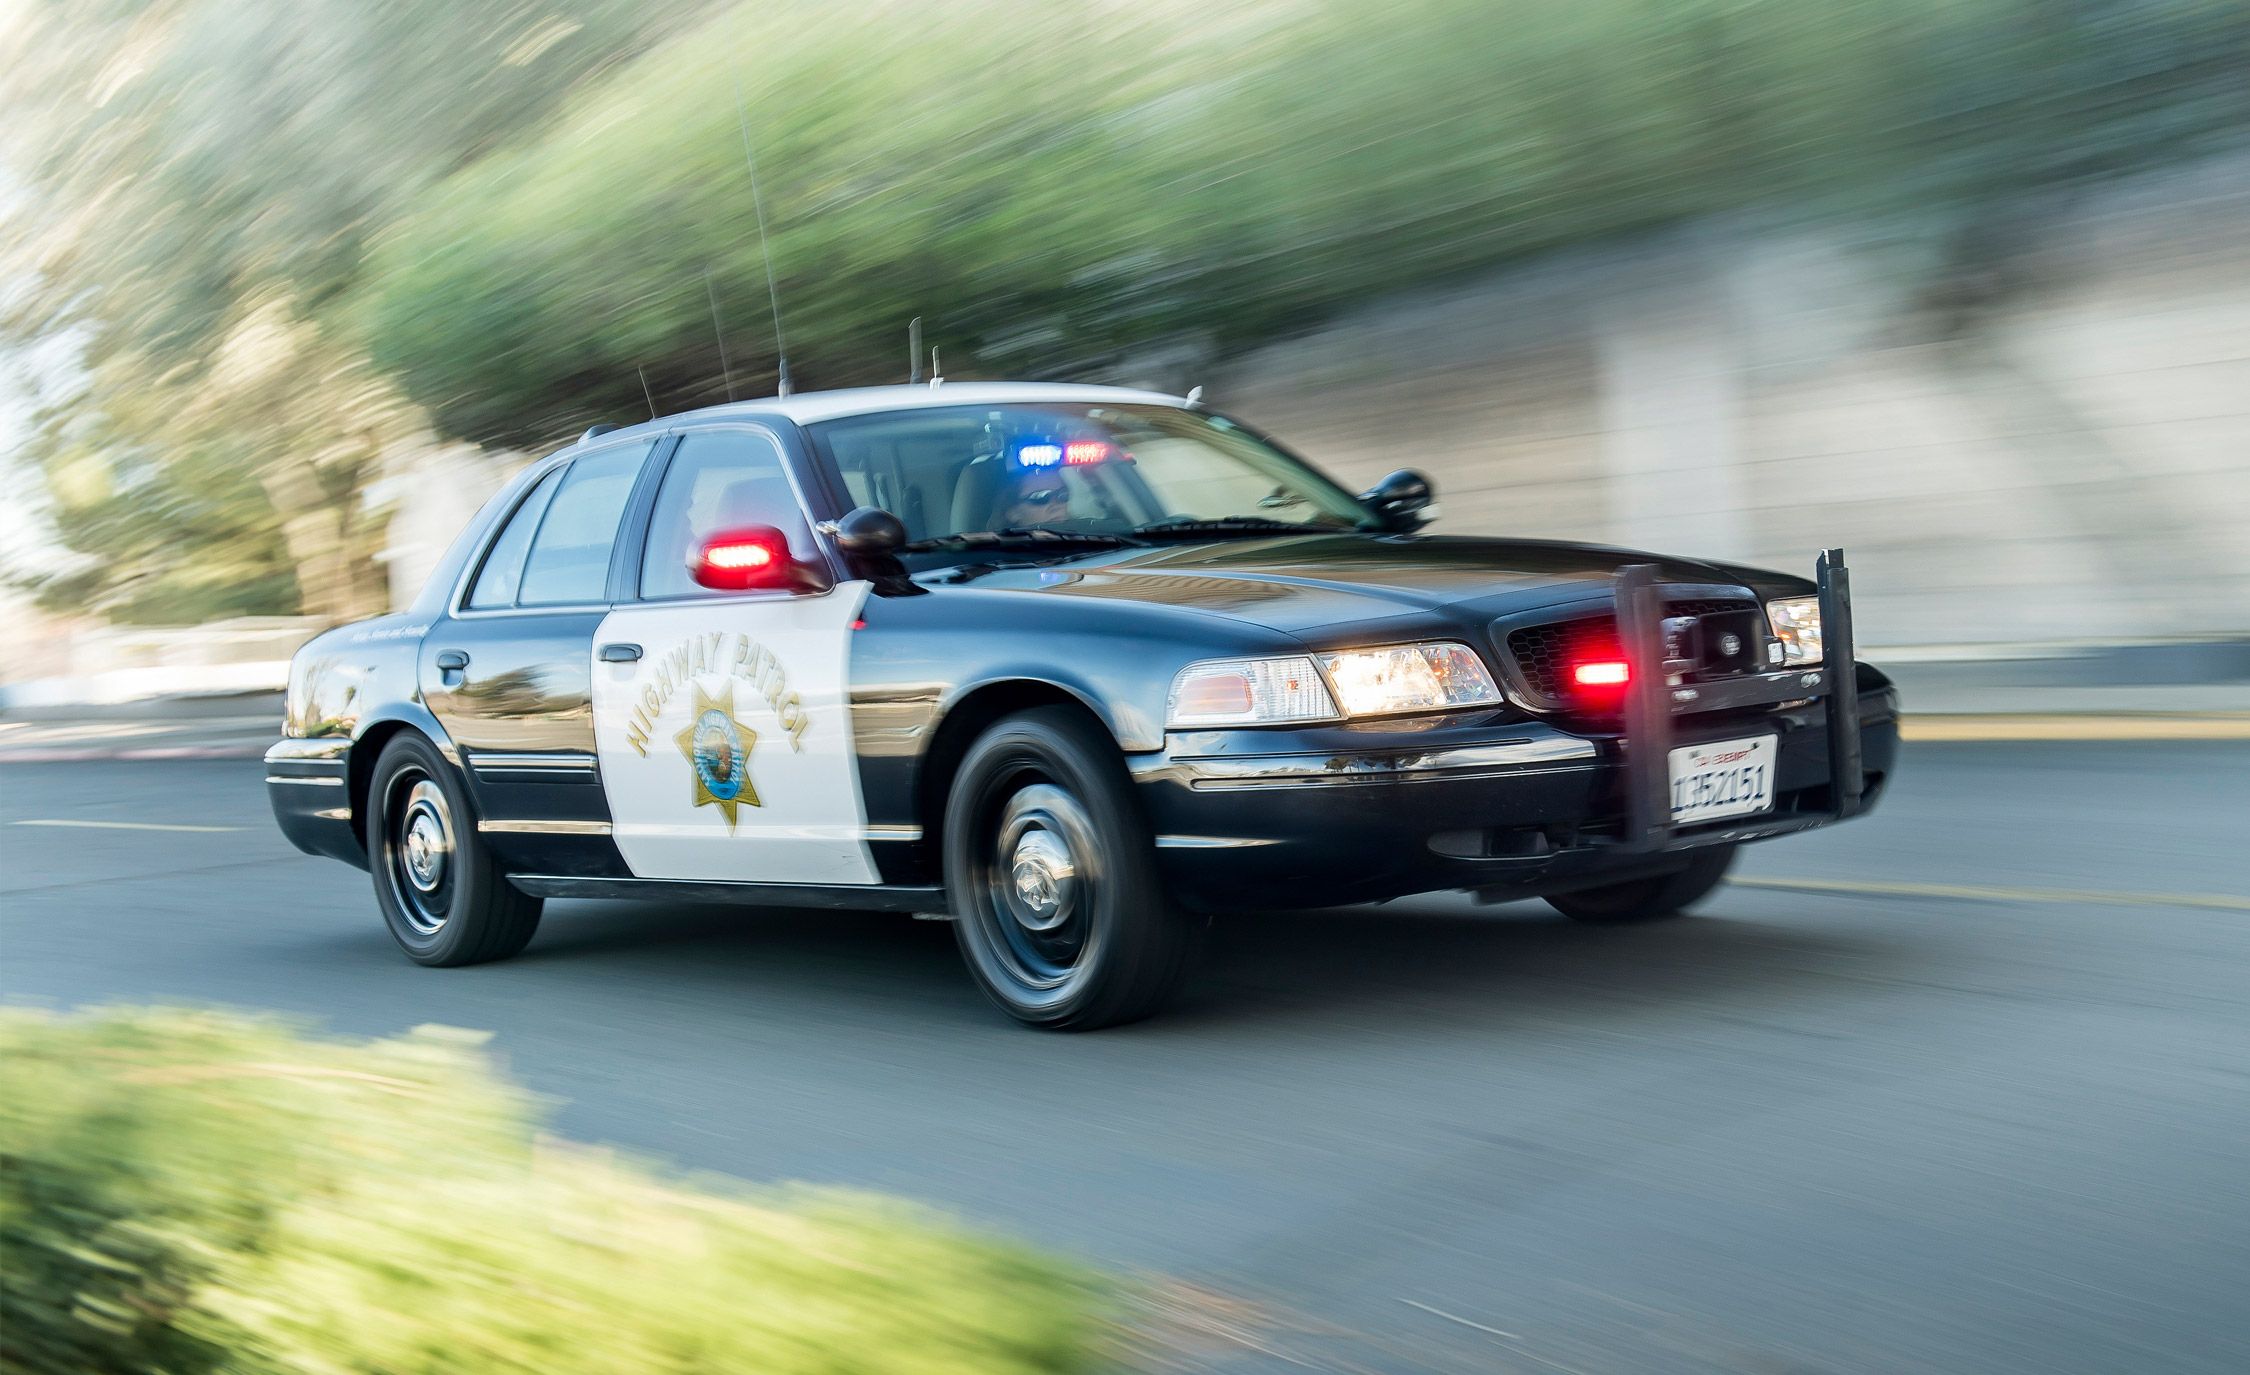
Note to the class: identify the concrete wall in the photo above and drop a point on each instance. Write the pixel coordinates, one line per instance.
(2071, 461)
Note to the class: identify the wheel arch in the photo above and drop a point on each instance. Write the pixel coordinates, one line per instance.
(967, 716)
(373, 736)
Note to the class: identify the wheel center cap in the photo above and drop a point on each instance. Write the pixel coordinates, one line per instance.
(425, 852)
(1044, 880)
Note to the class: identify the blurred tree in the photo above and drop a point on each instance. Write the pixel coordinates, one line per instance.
(202, 179)
(1056, 186)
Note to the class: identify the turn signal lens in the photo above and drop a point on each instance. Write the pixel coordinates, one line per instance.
(1796, 623)
(1249, 692)
(1602, 673)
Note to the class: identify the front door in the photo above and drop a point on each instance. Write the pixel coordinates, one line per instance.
(721, 720)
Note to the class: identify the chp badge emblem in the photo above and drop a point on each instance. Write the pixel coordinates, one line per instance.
(717, 748)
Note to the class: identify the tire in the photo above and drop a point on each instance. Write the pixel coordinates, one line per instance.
(1057, 904)
(1648, 899)
(442, 894)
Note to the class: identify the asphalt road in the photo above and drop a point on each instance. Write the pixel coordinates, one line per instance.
(1983, 1107)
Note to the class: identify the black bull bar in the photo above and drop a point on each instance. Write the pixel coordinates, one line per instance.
(1652, 701)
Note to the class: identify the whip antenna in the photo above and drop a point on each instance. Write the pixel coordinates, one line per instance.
(765, 252)
(645, 391)
(725, 370)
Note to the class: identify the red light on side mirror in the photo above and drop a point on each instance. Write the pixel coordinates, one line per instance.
(1601, 673)
(742, 560)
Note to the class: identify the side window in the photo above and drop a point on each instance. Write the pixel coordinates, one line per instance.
(569, 561)
(503, 564)
(719, 480)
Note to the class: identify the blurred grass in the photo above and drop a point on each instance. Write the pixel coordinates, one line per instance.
(189, 1191)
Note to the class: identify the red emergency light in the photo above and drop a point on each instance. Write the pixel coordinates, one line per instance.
(1601, 673)
(741, 560)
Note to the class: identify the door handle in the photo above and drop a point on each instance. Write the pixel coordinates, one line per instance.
(452, 660)
(621, 654)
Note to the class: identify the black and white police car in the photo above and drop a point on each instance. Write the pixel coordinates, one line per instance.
(1075, 665)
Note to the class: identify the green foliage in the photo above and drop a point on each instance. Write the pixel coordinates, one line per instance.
(1055, 185)
(190, 1192)
(199, 179)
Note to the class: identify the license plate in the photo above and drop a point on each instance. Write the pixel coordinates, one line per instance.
(1721, 779)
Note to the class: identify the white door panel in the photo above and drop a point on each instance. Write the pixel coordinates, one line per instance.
(726, 750)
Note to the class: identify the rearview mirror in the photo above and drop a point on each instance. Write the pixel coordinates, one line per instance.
(1404, 500)
(750, 558)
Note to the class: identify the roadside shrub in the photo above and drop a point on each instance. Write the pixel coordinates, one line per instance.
(188, 1191)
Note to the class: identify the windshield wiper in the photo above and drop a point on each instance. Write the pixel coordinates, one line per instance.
(1019, 537)
(1234, 525)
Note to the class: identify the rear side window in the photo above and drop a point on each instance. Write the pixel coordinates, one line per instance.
(569, 563)
(502, 573)
(718, 480)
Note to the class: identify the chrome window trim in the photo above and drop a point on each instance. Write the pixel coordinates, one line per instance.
(531, 477)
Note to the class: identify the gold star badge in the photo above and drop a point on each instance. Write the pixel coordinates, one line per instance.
(717, 749)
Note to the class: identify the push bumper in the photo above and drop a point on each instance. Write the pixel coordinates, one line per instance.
(308, 782)
(1509, 805)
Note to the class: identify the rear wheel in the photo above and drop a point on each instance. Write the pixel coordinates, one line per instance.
(442, 894)
(1052, 877)
(1651, 898)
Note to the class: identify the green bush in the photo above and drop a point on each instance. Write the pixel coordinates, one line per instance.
(186, 1192)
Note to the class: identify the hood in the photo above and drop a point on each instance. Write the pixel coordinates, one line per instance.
(1296, 583)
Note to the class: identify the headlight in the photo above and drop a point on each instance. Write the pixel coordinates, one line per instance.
(1796, 623)
(1396, 678)
(1363, 682)
(1249, 692)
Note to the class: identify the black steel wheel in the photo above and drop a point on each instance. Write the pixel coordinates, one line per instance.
(1051, 873)
(1652, 898)
(443, 897)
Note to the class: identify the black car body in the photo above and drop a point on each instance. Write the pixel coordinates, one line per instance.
(602, 722)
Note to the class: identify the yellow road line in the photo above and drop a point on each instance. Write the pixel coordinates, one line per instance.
(2087, 726)
(2216, 902)
(127, 826)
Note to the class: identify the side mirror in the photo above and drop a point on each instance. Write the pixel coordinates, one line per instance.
(749, 558)
(1404, 500)
(869, 532)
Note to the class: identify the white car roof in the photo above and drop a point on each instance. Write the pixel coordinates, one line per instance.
(807, 407)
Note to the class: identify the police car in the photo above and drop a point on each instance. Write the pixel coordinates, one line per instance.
(1075, 666)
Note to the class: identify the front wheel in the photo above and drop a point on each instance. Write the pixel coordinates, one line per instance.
(1051, 873)
(441, 891)
(1648, 899)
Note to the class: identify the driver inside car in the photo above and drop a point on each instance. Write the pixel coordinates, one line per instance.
(1033, 499)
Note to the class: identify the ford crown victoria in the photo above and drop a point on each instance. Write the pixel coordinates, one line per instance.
(1077, 667)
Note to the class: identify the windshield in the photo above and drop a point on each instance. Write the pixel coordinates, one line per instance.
(1050, 472)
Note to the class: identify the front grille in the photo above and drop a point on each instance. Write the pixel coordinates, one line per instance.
(1543, 653)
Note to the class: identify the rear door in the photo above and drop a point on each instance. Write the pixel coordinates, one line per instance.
(508, 671)
(721, 719)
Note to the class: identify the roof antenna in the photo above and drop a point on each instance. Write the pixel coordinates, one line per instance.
(936, 379)
(914, 350)
(726, 371)
(765, 252)
(645, 391)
